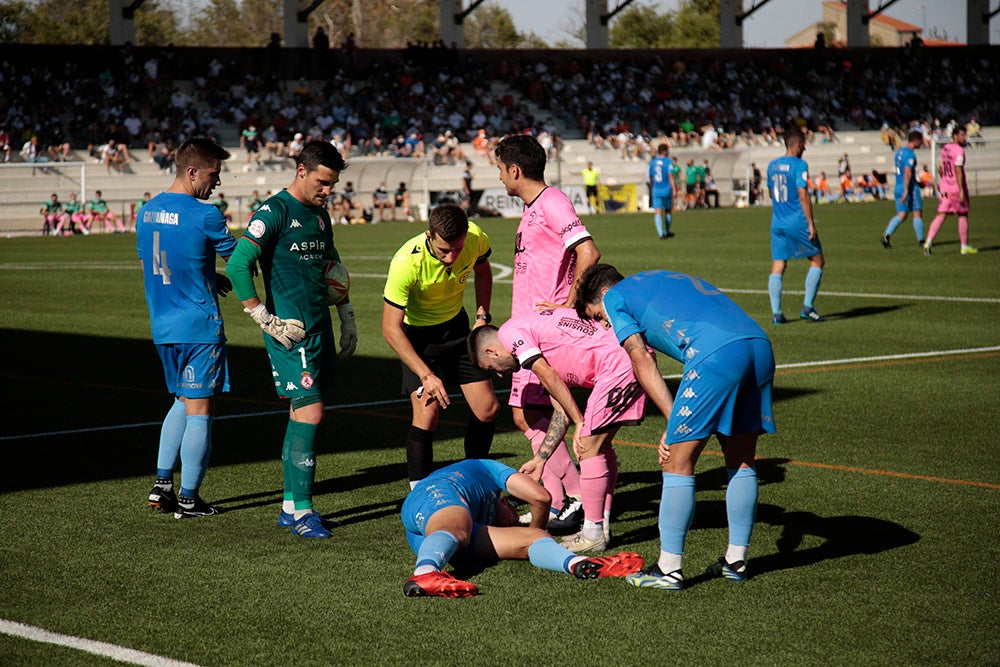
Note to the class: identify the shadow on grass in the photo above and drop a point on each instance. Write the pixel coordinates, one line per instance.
(865, 311)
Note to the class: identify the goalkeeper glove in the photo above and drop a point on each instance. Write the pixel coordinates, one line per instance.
(348, 330)
(285, 332)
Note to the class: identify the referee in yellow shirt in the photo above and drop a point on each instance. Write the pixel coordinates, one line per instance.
(424, 322)
(590, 176)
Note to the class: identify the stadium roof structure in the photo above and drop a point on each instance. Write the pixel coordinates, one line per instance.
(452, 13)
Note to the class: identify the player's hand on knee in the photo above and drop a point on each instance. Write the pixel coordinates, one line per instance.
(348, 330)
(286, 332)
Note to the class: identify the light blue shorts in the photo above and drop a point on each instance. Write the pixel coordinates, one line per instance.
(666, 202)
(793, 243)
(728, 392)
(422, 502)
(195, 370)
(906, 204)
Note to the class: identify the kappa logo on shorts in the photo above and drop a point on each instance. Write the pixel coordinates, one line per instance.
(683, 429)
(690, 352)
(692, 375)
(290, 386)
(689, 393)
(685, 412)
(307, 380)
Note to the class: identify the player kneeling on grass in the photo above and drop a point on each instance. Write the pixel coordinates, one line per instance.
(563, 350)
(457, 513)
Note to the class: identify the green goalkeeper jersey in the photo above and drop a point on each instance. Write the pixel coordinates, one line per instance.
(292, 241)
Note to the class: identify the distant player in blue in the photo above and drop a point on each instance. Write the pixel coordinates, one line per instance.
(725, 390)
(661, 190)
(793, 230)
(458, 512)
(177, 239)
(907, 190)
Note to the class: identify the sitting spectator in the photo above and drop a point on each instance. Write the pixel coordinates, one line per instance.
(100, 211)
(889, 137)
(974, 132)
(847, 192)
(56, 144)
(928, 186)
(453, 149)
(414, 145)
(481, 144)
(274, 147)
(5, 144)
(165, 155)
(402, 200)
(823, 193)
(346, 205)
(31, 153)
(381, 201)
(111, 155)
(877, 183)
(296, 145)
(79, 219)
(138, 205)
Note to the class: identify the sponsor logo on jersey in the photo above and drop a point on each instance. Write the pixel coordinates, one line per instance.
(256, 228)
(307, 380)
(265, 207)
(518, 246)
(290, 386)
(295, 223)
(188, 374)
(577, 324)
(307, 245)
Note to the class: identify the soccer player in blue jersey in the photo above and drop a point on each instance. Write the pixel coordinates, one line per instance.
(661, 190)
(177, 239)
(793, 229)
(457, 513)
(725, 390)
(907, 192)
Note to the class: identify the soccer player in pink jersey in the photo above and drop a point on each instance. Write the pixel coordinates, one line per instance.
(562, 350)
(551, 248)
(954, 191)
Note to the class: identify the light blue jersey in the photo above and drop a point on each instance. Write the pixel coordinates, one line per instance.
(905, 157)
(659, 176)
(475, 484)
(177, 238)
(785, 176)
(682, 316)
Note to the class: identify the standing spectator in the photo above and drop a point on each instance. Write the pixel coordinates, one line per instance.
(221, 203)
(177, 239)
(954, 192)
(425, 324)
(250, 141)
(5, 144)
(551, 248)
(401, 197)
(661, 190)
(793, 230)
(52, 216)
(907, 191)
(843, 165)
(691, 184)
(381, 201)
(756, 196)
(293, 262)
(725, 391)
(591, 175)
(467, 176)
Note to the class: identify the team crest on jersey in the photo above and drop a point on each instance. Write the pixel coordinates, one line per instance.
(307, 380)
(322, 225)
(256, 228)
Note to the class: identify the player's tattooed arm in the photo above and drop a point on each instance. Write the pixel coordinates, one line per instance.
(556, 433)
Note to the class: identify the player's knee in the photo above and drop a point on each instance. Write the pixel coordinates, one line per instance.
(488, 411)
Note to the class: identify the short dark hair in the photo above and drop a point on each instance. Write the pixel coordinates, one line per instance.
(794, 135)
(198, 152)
(591, 283)
(663, 149)
(320, 153)
(915, 135)
(524, 151)
(475, 342)
(448, 222)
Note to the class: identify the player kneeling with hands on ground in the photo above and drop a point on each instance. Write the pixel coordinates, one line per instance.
(292, 237)
(458, 513)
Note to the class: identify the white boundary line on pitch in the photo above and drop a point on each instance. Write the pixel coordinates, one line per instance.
(119, 653)
(400, 401)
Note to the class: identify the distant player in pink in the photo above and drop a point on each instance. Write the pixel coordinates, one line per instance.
(551, 248)
(563, 351)
(954, 192)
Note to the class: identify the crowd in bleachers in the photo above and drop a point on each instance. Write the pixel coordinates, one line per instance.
(134, 108)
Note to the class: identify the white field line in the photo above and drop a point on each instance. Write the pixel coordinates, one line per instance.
(503, 275)
(119, 653)
(401, 401)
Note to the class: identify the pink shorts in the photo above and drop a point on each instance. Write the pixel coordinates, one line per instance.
(527, 391)
(952, 203)
(616, 400)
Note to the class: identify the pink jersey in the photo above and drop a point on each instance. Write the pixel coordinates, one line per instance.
(544, 261)
(584, 354)
(952, 155)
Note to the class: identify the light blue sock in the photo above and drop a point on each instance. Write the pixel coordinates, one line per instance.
(196, 440)
(813, 278)
(893, 225)
(548, 554)
(741, 504)
(676, 511)
(669, 220)
(437, 549)
(658, 219)
(774, 291)
(918, 227)
(171, 434)
(208, 452)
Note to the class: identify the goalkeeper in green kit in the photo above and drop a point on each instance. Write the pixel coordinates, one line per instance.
(291, 237)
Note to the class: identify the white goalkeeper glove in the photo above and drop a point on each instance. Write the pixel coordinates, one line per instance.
(348, 330)
(285, 332)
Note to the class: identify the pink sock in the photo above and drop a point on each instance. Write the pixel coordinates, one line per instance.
(963, 229)
(594, 476)
(612, 459)
(935, 226)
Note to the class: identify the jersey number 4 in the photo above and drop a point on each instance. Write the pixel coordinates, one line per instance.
(160, 266)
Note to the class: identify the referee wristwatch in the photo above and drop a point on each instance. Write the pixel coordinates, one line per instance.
(484, 317)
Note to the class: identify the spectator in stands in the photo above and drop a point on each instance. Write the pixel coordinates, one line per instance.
(56, 144)
(928, 186)
(823, 193)
(877, 183)
(402, 201)
(251, 142)
(274, 147)
(453, 149)
(296, 145)
(165, 155)
(481, 144)
(111, 155)
(847, 191)
(346, 205)
(79, 219)
(30, 152)
(843, 165)
(101, 212)
(974, 131)
(381, 201)
(414, 145)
